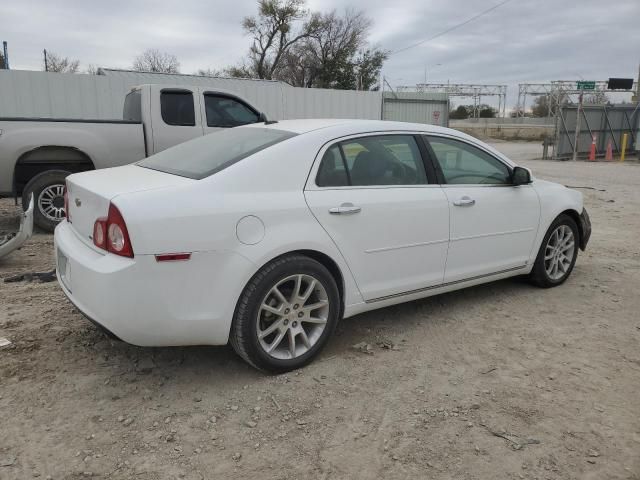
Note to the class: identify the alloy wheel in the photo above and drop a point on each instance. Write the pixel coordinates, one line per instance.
(292, 316)
(559, 251)
(51, 202)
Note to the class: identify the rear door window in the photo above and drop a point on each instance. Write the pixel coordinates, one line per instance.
(374, 160)
(177, 108)
(332, 171)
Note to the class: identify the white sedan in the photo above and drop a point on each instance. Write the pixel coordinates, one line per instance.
(266, 235)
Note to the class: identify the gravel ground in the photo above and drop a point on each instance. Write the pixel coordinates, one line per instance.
(499, 381)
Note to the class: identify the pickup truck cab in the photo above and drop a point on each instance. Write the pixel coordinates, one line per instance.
(36, 154)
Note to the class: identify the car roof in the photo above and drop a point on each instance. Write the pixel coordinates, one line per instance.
(301, 126)
(334, 128)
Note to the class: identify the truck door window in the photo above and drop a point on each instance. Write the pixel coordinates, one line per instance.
(177, 108)
(133, 107)
(223, 111)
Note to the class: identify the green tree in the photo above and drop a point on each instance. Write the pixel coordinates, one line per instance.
(460, 113)
(543, 105)
(2, 67)
(368, 65)
(487, 112)
(540, 106)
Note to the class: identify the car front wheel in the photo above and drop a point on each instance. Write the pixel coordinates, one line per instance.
(285, 314)
(557, 254)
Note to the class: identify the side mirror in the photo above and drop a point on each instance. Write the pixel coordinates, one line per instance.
(262, 118)
(520, 176)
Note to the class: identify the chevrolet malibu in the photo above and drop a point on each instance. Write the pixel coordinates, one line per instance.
(266, 235)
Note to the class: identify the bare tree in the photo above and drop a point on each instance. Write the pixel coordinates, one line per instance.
(274, 33)
(56, 63)
(240, 71)
(210, 72)
(153, 60)
(335, 56)
(596, 98)
(310, 49)
(92, 69)
(336, 44)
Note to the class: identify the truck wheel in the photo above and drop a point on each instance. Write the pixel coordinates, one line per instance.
(48, 194)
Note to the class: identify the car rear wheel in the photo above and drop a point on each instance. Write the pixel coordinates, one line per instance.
(285, 314)
(48, 193)
(557, 254)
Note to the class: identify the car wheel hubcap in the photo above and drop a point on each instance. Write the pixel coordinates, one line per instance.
(558, 253)
(292, 316)
(51, 202)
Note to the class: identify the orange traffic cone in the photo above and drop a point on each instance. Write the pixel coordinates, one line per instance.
(609, 156)
(592, 151)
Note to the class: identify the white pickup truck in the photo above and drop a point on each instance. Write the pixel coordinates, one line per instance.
(36, 154)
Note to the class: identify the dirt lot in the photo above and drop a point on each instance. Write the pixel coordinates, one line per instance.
(500, 381)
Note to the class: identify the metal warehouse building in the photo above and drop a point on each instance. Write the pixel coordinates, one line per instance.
(82, 96)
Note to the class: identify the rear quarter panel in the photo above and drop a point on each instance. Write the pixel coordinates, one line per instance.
(204, 216)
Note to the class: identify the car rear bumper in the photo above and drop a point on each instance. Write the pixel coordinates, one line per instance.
(585, 229)
(150, 303)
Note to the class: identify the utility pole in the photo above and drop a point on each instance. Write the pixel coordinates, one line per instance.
(6, 55)
(46, 64)
(577, 135)
(637, 84)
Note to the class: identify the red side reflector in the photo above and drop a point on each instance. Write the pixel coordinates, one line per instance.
(172, 257)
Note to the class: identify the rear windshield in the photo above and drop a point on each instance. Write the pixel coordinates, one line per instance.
(207, 155)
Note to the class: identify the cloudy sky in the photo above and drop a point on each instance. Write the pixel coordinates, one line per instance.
(521, 41)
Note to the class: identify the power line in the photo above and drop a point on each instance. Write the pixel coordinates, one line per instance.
(484, 12)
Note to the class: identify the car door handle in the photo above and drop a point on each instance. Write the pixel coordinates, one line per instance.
(345, 209)
(464, 202)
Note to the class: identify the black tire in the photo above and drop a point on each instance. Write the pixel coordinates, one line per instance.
(35, 186)
(539, 275)
(244, 330)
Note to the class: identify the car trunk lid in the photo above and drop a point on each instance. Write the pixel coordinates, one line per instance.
(89, 193)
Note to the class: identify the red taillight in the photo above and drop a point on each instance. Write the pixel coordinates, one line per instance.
(111, 233)
(67, 213)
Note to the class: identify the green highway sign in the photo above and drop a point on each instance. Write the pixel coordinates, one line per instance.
(586, 85)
